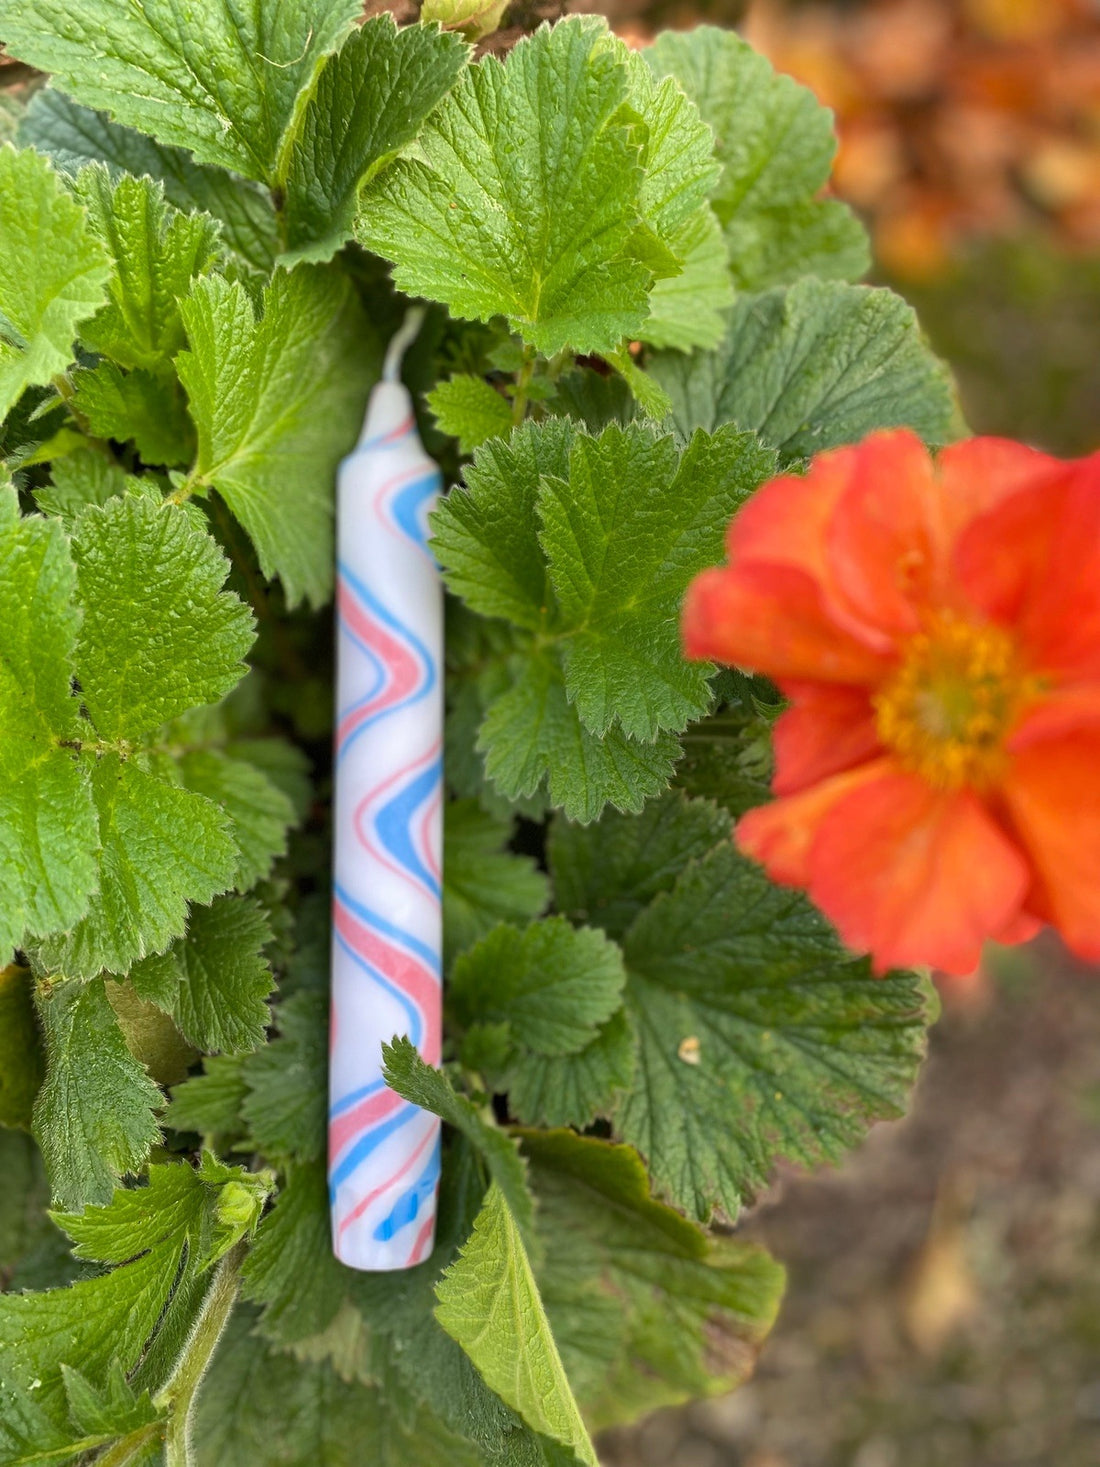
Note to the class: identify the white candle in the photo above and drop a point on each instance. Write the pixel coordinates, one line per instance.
(387, 818)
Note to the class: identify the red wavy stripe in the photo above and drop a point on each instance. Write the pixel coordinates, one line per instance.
(403, 970)
(402, 667)
(361, 1207)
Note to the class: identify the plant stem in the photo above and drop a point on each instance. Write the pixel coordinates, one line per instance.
(131, 1447)
(182, 1386)
(523, 381)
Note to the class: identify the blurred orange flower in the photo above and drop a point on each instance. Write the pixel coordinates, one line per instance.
(935, 625)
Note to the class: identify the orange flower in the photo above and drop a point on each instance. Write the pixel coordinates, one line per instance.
(936, 628)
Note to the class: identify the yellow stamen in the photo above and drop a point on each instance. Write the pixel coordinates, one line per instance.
(946, 712)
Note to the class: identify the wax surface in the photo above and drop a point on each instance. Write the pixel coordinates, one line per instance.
(387, 920)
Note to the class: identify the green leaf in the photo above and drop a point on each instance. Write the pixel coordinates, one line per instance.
(553, 985)
(474, 19)
(689, 310)
(21, 1062)
(52, 273)
(112, 1412)
(259, 811)
(47, 821)
(135, 406)
(647, 1310)
(216, 980)
(93, 1117)
(811, 367)
(794, 1047)
(623, 536)
(291, 1269)
(775, 143)
(285, 1104)
(489, 1302)
(404, 1071)
(221, 81)
(86, 476)
(160, 848)
(486, 537)
(210, 1103)
(73, 135)
(267, 1409)
(571, 1089)
(276, 403)
(608, 872)
(164, 1238)
(470, 410)
(159, 633)
(483, 883)
(532, 733)
(157, 252)
(537, 135)
(677, 150)
(381, 85)
(728, 759)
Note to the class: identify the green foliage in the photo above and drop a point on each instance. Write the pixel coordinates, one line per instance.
(187, 339)
(52, 274)
(813, 366)
(276, 402)
(489, 1302)
(775, 143)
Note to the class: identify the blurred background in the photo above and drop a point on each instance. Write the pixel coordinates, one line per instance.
(943, 1308)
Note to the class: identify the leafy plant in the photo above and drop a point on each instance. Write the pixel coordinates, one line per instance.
(638, 310)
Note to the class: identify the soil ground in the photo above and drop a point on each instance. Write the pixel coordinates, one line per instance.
(943, 1307)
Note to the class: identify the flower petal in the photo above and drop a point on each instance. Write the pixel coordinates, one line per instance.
(771, 618)
(979, 473)
(883, 539)
(914, 875)
(827, 729)
(1002, 555)
(780, 835)
(1060, 624)
(1053, 796)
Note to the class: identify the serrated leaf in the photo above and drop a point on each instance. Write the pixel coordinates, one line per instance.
(554, 985)
(404, 1071)
(156, 252)
(260, 812)
(222, 979)
(647, 1310)
(210, 1103)
(489, 1302)
(483, 883)
(285, 1103)
(382, 84)
(73, 136)
(794, 1047)
(135, 406)
(532, 734)
(551, 253)
(159, 634)
(163, 1237)
(48, 833)
(322, 1422)
(608, 872)
(229, 100)
(811, 367)
(470, 410)
(689, 310)
(160, 848)
(775, 143)
(623, 535)
(111, 1412)
(680, 170)
(571, 1089)
(93, 1116)
(53, 273)
(291, 1269)
(728, 759)
(86, 476)
(276, 403)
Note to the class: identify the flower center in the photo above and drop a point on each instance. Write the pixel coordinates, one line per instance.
(947, 710)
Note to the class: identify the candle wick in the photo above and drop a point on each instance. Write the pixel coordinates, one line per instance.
(402, 339)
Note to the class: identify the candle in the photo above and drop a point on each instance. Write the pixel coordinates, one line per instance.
(387, 819)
